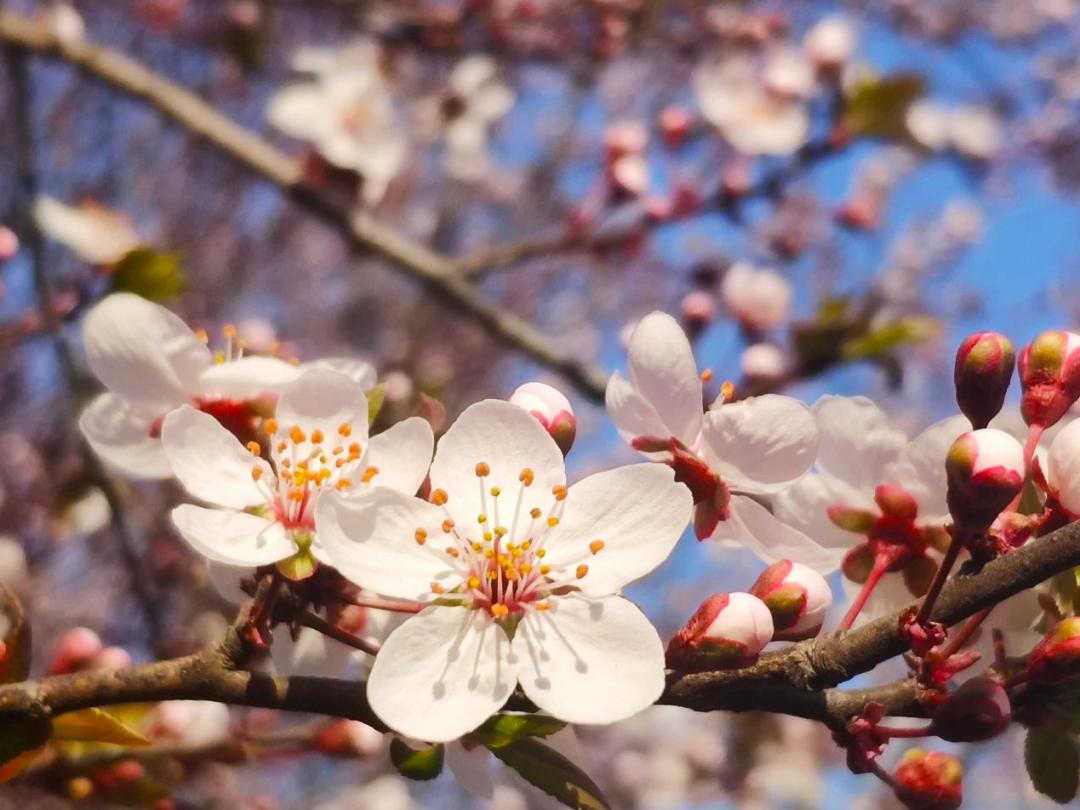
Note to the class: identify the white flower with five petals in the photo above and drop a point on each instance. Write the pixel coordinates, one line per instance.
(521, 575)
(264, 510)
(735, 451)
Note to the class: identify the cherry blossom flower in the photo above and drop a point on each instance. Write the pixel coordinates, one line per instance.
(264, 509)
(521, 575)
(90, 231)
(477, 100)
(749, 116)
(973, 132)
(151, 362)
(346, 111)
(830, 43)
(728, 456)
(759, 298)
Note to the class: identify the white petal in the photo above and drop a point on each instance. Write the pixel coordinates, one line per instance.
(233, 538)
(402, 455)
(226, 580)
(590, 660)
(143, 352)
(359, 371)
(441, 674)
(638, 512)
(508, 440)
(632, 415)
(301, 111)
(311, 654)
(761, 444)
(921, 467)
(320, 399)
(210, 462)
(752, 525)
(371, 540)
(247, 378)
(472, 769)
(804, 507)
(857, 440)
(663, 370)
(120, 434)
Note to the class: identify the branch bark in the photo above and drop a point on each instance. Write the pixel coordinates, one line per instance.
(366, 235)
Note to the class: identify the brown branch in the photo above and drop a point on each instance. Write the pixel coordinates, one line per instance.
(360, 229)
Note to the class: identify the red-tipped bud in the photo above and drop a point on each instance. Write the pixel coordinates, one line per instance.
(1049, 377)
(985, 470)
(727, 631)
(1056, 658)
(976, 711)
(75, 650)
(984, 366)
(551, 409)
(796, 596)
(929, 780)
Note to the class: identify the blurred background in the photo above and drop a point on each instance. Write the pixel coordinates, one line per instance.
(476, 193)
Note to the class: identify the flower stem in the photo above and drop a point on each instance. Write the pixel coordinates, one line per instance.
(947, 562)
(965, 633)
(892, 731)
(881, 565)
(1035, 433)
(386, 604)
(320, 625)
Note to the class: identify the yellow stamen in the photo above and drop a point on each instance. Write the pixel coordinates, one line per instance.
(254, 448)
(316, 436)
(296, 435)
(344, 429)
(271, 426)
(526, 477)
(581, 571)
(559, 491)
(256, 473)
(482, 469)
(595, 546)
(499, 611)
(439, 497)
(421, 536)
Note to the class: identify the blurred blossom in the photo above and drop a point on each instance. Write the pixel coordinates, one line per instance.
(190, 723)
(763, 361)
(749, 116)
(9, 243)
(399, 386)
(347, 112)
(65, 23)
(830, 43)
(387, 792)
(760, 299)
(974, 132)
(257, 335)
(87, 514)
(624, 152)
(13, 567)
(963, 222)
(478, 98)
(788, 74)
(90, 231)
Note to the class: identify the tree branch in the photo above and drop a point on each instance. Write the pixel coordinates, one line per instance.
(360, 229)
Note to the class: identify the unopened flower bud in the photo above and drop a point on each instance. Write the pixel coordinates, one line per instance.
(760, 299)
(551, 409)
(1063, 468)
(727, 631)
(1049, 377)
(985, 470)
(74, 650)
(830, 43)
(1056, 658)
(675, 125)
(929, 780)
(763, 362)
(984, 366)
(797, 597)
(978, 710)
(698, 311)
(9, 243)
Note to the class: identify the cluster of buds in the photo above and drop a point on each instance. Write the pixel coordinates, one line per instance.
(551, 409)
(797, 597)
(985, 470)
(80, 648)
(728, 631)
(929, 780)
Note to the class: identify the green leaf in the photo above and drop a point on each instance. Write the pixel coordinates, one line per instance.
(879, 343)
(1053, 763)
(15, 632)
(427, 763)
(95, 725)
(375, 399)
(153, 274)
(552, 773)
(505, 729)
(878, 105)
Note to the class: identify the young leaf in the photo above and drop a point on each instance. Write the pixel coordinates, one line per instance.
(878, 106)
(153, 274)
(95, 725)
(504, 729)
(15, 635)
(427, 763)
(375, 399)
(1053, 763)
(552, 773)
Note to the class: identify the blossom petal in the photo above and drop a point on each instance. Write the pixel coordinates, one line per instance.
(637, 512)
(402, 455)
(120, 434)
(805, 505)
(632, 415)
(372, 541)
(226, 580)
(300, 111)
(247, 378)
(921, 468)
(442, 673)
(311, 653)
(231, 537)
(472, 769)
(761, 444)
(508, 440)
(143, 352)
(210, 462)
(755, 528)
(362, 372)
(324, 400)
(663, 370)
(590, 660)
(857, 440)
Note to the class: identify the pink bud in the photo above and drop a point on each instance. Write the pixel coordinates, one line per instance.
(1056, 658)
(727, 631)
(985, 470)
(830, 43)
(763, 362)
(674, 125)
(9, 243)
(978, 710)
(551, 409)
(797, 597)
(624, 138)
(1063, 468)
(111, 658)
(698, 310)
(1049, 377)
(929, 780)
(74, 650)
(760, 299)
(984, 366)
